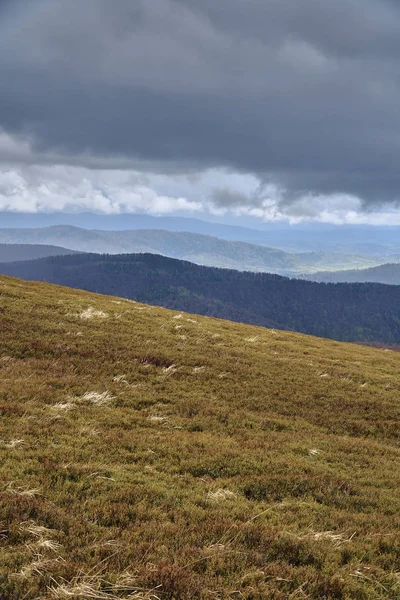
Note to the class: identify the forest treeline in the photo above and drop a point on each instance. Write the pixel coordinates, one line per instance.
(367, 312)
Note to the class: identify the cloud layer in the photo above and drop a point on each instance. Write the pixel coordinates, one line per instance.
(61, 188)
(302, 96)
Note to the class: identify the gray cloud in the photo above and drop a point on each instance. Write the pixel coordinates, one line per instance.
(225, 198)
(304, 94)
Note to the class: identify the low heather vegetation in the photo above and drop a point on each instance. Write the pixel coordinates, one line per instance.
(147, 453)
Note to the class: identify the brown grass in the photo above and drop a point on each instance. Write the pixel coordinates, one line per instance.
(217, 461)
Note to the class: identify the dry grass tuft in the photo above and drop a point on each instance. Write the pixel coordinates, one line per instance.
(170, 370)
(40, 567)
(20, 491)
(96, 588)
(221, 494)
(96, 398)
(12, 444)
(158, 418)
(314, 451)
(35, 530)
(63, 406)
(337, 538)
(51, 545)
(91, 313)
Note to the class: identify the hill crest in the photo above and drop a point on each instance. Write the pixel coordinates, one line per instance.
(347, 312)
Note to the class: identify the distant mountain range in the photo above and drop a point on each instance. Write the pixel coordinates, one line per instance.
(344, 239)
(388, 273)
(124, 222)
(201, 249)
(348, 312)
(15, 252)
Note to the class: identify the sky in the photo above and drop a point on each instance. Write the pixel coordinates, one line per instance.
(285, 110)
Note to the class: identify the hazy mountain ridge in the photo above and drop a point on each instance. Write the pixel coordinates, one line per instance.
(342, 239)
(388, 274)
(348, 312)
(201, 249)
(18, 252)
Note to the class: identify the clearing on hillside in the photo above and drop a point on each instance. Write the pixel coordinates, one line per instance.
(153, 454)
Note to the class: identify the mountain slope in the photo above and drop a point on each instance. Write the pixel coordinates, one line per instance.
(348, 312)
(16, 252)
(143, 449)
(388, 274)
(197, 248)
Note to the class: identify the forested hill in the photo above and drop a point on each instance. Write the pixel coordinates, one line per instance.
(347, 312)
(388, 273)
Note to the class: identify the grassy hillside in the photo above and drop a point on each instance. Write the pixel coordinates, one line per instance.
(388, 274)
(16, 252)
(201, 249)
(147, 453)
(346, 312)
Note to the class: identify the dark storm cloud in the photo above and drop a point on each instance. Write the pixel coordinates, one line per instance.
(225, 198)
(304, 93)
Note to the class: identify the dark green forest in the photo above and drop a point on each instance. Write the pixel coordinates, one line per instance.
(363, 312)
